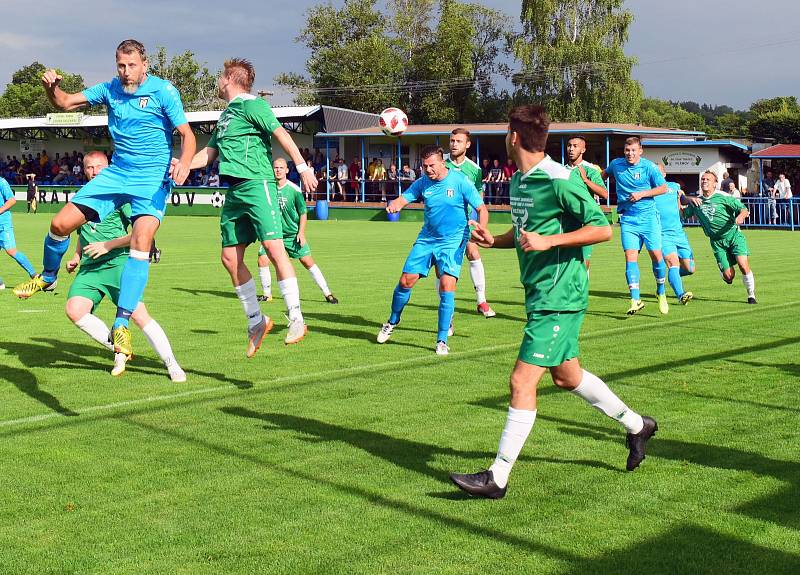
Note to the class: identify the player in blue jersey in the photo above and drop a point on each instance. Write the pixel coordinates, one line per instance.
(7, 240)
(638, 182)
(143, 111)
(440, 243)
(674, 243)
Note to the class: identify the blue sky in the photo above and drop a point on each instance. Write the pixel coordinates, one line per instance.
(719, 52)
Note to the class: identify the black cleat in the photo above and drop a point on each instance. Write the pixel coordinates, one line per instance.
(264, 298)
(480, 484)
(330, 298)
(636, 442)
(751, 300)
(155, 256)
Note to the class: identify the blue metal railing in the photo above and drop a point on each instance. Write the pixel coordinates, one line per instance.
(767, 213)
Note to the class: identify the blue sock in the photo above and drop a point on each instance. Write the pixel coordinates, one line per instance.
(632, 275)
(54, 250)
(688, 272)
(660, 271)
(399, 301)
(23, 261)
(674, 275)
(447, 306)
(132, 283)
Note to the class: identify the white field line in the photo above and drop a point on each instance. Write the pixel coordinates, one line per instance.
(419, 360)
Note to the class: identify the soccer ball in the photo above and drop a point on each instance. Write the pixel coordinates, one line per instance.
(217, 199)
(393, 121)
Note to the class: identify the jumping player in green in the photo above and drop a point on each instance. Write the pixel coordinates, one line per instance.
(553, 220)
(293, 219)
(101, 253)
(243, 142)
(720, 216)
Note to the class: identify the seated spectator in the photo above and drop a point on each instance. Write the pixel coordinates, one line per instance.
(213, 180)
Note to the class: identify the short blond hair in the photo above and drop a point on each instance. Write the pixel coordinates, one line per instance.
(241, 72)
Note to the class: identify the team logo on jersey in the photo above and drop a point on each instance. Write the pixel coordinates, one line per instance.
(636, 175)
(222, 124)
(519, 217)
(281, 202)
(450, 192)
(708, 210)
(143, 101)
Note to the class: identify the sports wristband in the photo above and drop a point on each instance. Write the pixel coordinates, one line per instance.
(302, 168)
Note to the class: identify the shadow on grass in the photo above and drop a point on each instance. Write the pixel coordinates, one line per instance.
(463, 310)
(27, 383)
(230, 294)
(353, 320)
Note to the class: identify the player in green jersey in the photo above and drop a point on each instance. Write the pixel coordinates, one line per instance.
(585, 175)
(242, 141)
(101, 253)
(553, 219)
(720, 216)
(293, 219)
(458, 160)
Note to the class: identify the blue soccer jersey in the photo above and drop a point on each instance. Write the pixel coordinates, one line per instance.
(445, 204)
(668, 211)
(141, 123)
(6, 193)
(639, 177)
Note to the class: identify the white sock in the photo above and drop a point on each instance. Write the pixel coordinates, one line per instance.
(96, 328)
(247, 295)
(518, 425)
(478, 276)
(316, 273)
(291, 295)
(749, 281)
(266, 280)
(159, 342)
(597, 394)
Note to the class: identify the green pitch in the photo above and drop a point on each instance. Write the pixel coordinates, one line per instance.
(332, 455)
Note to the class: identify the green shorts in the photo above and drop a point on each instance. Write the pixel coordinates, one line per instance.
(251, 213)
(551, 337)
(294, 249)
(96, 282)
(726, 249)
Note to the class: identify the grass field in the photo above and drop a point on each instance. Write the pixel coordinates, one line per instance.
(331, 456)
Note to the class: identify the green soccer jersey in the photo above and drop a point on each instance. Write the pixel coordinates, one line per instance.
(717, 215)
(115, 225)
(243, 138)
(293, 205)
(544, 200)
(592, 172)
(471, 171)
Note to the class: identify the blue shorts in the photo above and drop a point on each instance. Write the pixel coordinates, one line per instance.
(145, 189)
(446, 255)
(637, 232)
(7, 239)
(676, 243)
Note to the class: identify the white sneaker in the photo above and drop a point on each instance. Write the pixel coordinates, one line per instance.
(2, 286)
(176, 374)
(120, 360)
(297, 331)
(386, 332)
(441, 348)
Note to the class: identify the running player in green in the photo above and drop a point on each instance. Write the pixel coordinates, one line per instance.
(553, 219)
(458, 160)
(101, 254)
(720, 216)
(585, 175)
(293, 219)
(242, 141)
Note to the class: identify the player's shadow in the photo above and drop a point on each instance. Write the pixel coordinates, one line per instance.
(609, 294)
(27, 383)
(465, 310)
(230, 294)
(350, 319)
(792, 369)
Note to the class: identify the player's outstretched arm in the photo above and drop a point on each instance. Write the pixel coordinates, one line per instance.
(585, 236)
(396, 205)
(743, 215)
(58, 97)
(201, 159)
(306, 174)
(180, 171)
(96, 249)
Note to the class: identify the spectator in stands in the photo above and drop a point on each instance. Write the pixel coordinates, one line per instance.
(768, 187)
(733, 191)
(319, 159)
(392, 177)
(508, 169)
(407, 176)
(356, 176)
(342, 173)
(486, 170)
(496, 182)
(379, 177)
(213, 179)
(726, 181)
(783, 194)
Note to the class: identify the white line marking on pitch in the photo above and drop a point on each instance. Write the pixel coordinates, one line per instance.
(366, 368)
(31, 310)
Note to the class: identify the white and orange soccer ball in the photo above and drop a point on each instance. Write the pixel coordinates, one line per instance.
(393, 121)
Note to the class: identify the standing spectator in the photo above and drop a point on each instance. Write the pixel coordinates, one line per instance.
(733, 191)
(213, 179)
(508, 169)
(496, 182)
(392, 178)
(485, 171)
(783, 193)
(407, 176)
(356, 176)
(768, 186)
(379, 177)
(726, 182)
(341, 179)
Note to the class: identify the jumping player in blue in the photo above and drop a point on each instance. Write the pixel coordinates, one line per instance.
(674, 243)
(7, 240)
(143, 111)
(638, 182)
(441, 242)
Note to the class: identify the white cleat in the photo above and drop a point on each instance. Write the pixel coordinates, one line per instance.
(2, 286)
(297, 331)
(120, 361)
(441, 348)
(386, 332)
(176, 374)
(486, 310)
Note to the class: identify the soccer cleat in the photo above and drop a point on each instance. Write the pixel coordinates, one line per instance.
(663, 306)
(636, 442)
(264, 297)
(120, 361)
(52, 286)
(330, 298)
(751, 300)
(386, 332)
(441, 348)
(480, 484)
(121, 338)
(686, 297)
(256, 335)
(297, 331)
(27, 288)
(636, 305)
(176, 374)
(155, 256)
(486, 310)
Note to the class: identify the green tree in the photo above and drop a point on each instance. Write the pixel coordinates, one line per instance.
(779, 104)
(198, 88)
(573, 62)
(782, 125)
(25, 96)
(733, 124)
(662, 114)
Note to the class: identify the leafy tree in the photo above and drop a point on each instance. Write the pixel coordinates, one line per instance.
(198, 88)
(732, 124)
(25, 96)
(782, 125)
(662, 114)
(779, 104)
(572, 58)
